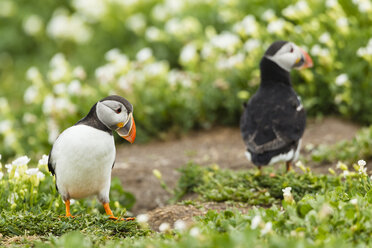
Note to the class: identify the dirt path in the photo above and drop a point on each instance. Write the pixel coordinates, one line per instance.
(223, 146)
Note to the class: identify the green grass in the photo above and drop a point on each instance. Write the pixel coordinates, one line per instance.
(48, 223)
(214, 184)
(321, 211)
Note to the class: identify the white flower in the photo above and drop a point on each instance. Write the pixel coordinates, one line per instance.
(179, 225)
(174, 6)
(299, 10)
(79, 72)
(44, 160)
(341, 79)
(174, 27)
(325, 38)
(124, 83)
(136, 22)
(331, 3)
(287, 191)
(63, 26)
(287, 195)
(112, 54)
(40, 175)
(1, 175)
(195, 232)
(5, 126)
(144, 54)
(276, 26)
(247, 26)
(9, 167)
(32, 171)
(10, 139)
(153, 34)
(105, 74)
(156, 68)
(226, 41)
(361, 163)
(74, 88)
(59, 67)
(164, 227)
(342, 22)
(346, 173)
(142, 218)
(256, 221)
(363, 5)
(230, 62)
(267, 228)
(354, 201)
(159, 12)
(0, 156)
(60, 88)
(32, 73)
(251, 45)
(31, 94)
(362, 170)
(21, 161)
(33, 25)
(94, 10)
(268, 15)
(188, 53)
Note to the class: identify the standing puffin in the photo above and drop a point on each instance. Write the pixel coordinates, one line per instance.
(274, 119)
(83, 155)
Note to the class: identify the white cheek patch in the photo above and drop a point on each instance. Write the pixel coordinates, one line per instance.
(285, 61)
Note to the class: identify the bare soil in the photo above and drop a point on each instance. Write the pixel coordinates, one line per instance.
(220, 145)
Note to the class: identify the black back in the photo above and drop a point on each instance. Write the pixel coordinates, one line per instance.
(273, 120)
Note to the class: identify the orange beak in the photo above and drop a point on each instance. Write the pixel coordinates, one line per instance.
(308, 62)
(128, 130)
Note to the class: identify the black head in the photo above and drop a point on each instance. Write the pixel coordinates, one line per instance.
(288, 55)
(275, 47)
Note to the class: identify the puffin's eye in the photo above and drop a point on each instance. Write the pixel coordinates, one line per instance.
(291, 50)
(118, 111)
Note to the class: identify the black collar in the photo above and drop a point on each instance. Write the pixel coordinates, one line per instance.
(92, 120)
(271, 72)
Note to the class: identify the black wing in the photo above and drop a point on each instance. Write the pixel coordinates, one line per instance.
(51, 163)
(272, 120)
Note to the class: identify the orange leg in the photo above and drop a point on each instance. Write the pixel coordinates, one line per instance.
(68, 214)
(107, 208)
(289, 165)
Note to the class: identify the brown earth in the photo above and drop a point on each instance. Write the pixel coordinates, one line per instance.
(222, 146)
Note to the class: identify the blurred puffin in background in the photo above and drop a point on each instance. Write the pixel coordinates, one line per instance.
(274, 119)
(83, 155)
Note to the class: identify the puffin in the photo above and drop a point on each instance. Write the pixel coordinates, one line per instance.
(83, 155)
(274, 120)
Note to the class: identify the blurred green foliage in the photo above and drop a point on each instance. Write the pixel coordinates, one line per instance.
(183, 64)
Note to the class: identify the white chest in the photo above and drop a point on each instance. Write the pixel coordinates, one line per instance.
(84, 157)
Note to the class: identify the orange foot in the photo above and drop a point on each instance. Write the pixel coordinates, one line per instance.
(106, 206)
(122, 219)
(67, 216)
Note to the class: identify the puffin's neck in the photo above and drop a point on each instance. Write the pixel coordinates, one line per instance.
(271, 72)
(92, 120)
